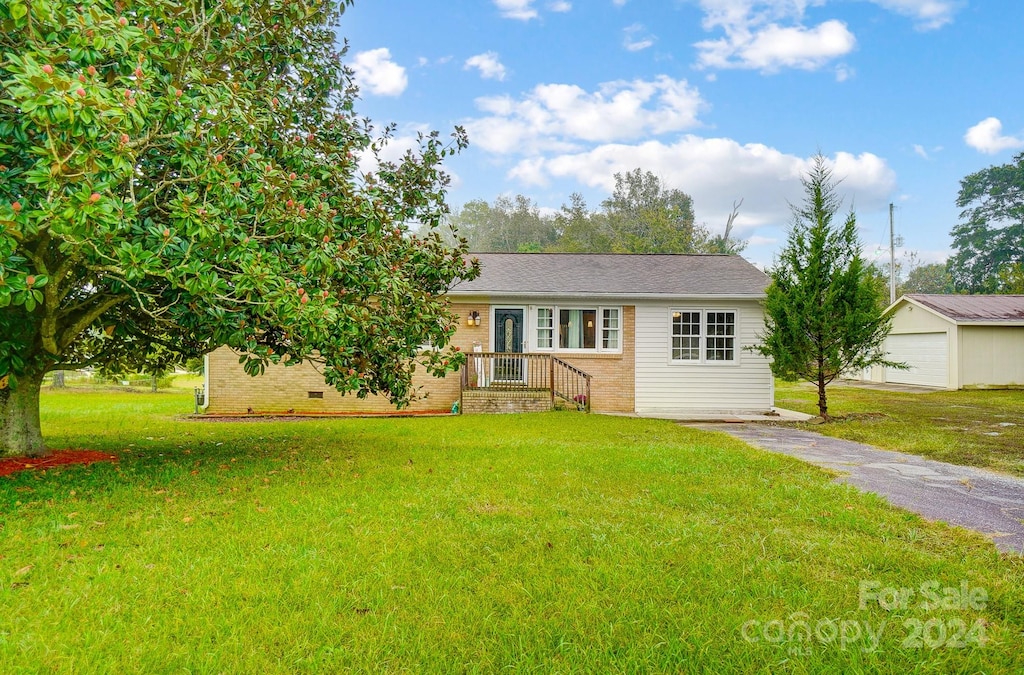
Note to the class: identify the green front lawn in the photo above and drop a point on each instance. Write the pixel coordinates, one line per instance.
(973, 428)
(550, 542)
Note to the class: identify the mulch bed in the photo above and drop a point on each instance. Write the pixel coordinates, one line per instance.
(9, 465)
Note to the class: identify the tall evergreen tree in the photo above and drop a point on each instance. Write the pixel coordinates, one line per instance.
(823, 312)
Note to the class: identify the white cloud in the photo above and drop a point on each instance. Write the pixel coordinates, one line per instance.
(844, 72)
(717, 171)
(929, 14)
(559, 116)
(986, 136)
(926, 153)
(768, 35)
(772, 47)
(635, 38)
(377, 73)
(424, 62)
(488, 64)
(522, 10)
(746, 14)
(560, 6)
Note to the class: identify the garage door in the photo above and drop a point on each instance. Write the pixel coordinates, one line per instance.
(927, 354)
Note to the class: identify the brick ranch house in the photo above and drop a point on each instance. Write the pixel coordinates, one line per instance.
(610, 332)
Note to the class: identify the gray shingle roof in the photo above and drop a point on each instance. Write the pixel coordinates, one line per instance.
(974, 308)
(614, 274)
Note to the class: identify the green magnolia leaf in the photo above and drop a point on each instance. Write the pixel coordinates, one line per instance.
(166, 197)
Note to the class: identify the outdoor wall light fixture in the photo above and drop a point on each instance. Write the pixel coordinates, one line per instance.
(473, 319)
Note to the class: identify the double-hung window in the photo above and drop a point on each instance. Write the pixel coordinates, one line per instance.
(703, 336)
(578, 328)
(720, 336)
(610, 329)
(545, 328)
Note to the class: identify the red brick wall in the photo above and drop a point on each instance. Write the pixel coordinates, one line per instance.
(283, 388)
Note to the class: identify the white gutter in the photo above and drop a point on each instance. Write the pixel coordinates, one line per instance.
(610, 296)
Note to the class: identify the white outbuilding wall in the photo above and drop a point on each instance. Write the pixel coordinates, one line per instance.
(947, 354)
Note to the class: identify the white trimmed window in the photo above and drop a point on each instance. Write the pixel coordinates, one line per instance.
(597, 329)
(610, 329)
(545, 328)
(576, 329)
(704, 336)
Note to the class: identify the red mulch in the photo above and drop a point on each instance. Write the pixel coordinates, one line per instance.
(9, 465)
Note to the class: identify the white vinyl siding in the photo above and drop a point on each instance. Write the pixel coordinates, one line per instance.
(666, 383)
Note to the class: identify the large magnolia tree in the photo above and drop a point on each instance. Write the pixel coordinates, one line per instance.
(175, 176)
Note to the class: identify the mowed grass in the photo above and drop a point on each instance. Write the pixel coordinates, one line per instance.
(982, 428)
(553, 542)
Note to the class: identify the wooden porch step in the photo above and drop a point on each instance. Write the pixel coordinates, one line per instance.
(482, 401)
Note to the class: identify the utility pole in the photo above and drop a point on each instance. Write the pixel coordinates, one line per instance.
(892, 257)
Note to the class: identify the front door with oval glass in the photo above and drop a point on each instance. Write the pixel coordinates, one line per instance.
(508, 339)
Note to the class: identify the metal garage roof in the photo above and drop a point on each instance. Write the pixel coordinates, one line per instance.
(974, 308)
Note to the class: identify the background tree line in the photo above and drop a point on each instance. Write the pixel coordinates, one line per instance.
(642, 215)
(988, 242)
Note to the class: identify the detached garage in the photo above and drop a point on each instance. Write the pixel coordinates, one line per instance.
(956, 342)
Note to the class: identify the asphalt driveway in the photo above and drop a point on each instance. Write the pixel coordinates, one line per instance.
(976, 499)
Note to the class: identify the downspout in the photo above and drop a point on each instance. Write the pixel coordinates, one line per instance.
(206, 382)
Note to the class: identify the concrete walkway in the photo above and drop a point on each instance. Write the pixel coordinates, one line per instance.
(774, 415)
(980, 500)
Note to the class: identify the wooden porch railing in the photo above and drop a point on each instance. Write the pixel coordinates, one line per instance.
(511, 376)
(570, 383)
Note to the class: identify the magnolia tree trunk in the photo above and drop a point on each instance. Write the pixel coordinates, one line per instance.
(20, 433)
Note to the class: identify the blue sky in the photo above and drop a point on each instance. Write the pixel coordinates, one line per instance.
(723, 99)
